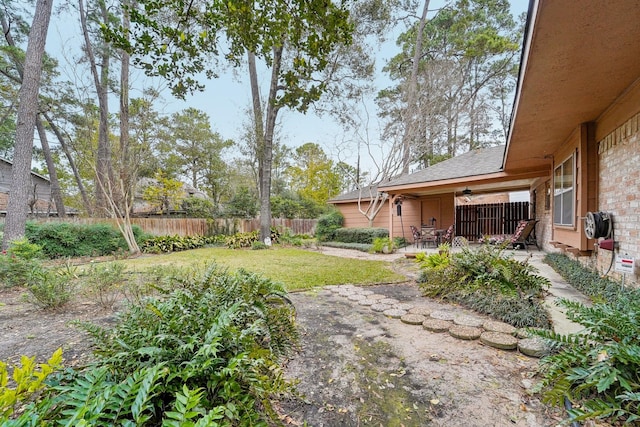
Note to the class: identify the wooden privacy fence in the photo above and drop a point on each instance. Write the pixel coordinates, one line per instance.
(196, 226)
(475, 221)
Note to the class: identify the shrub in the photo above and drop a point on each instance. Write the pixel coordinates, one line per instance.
(196, 207)
(327, 225)
(382, 245)
(433, 261)
(486, 281)
(62, 239)
(205, 353)
(28, 380)
(246, 240)
(51, 288)
(23, 249)
(175, 243)
(258, 246)
(597, 370)
(17, 262)
(103, 281)
(359, 235)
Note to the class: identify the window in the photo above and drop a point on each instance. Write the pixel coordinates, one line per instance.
(563, 188)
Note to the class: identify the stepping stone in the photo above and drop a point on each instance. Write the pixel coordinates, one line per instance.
(413, 319)
(380, 307)
(443, 315)
(325, 292)
(356, 297)
(495, 326)
(365, 292)
(394, 313)
(465, 332)
(499, 340)
(388, 301)
(473, 322)
(346, 292)
(334, 289)
(534, 347)
(376, 297)
(436, 325)
(426, 312)
(404, 306)
(366, 302)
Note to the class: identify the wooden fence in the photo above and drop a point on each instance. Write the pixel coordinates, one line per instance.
(195, 226)
(474, 221)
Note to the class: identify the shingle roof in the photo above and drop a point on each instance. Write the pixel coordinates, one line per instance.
(477, 162)
(365, 193)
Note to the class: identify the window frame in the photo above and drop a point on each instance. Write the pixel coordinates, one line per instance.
(563, 193)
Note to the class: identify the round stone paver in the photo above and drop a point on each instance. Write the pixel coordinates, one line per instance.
(413, 319)
(380, 307)
(464, 320)
(346, 292)
(388, 301)
(376, 297)
(394, 313)
(465, 332)
(365, 292)
(443, 315)
(356, 297)
(534, 347)
(366, 302)
(425, 311)
(403, 306)
(436, 325)
(495, 326)
(499, 340)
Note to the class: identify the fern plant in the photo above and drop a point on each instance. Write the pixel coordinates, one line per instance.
(599, 369)
(487, 281)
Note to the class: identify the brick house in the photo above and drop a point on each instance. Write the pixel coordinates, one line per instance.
(40, 201)
(574, 139)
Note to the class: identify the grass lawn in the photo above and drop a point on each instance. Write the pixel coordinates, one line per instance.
(295, 268)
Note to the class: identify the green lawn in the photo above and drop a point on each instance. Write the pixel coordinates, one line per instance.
(295, 268)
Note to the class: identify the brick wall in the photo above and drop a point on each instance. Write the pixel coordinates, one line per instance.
(543, 214)
(619, 188)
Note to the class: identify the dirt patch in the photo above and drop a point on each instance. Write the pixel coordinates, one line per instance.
(358, 367)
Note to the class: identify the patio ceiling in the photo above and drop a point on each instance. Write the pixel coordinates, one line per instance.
(579, 57)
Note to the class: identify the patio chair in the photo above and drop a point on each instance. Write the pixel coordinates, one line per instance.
(417, 236)
(447, 237)
(525, 234)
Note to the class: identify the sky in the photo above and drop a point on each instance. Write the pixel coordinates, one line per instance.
(227, 98)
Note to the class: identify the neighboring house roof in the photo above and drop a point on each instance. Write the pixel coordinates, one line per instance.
(32, 173)
(477, 162)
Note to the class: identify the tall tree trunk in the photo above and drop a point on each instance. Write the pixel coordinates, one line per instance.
(127, 169)
(267, 153)
(101, 82)
(56, 193)
(412, 93)
(72, 163)
(53, 176)
(25, 124)
(258, 119)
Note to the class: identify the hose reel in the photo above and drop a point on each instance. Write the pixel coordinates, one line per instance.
(598, 224)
